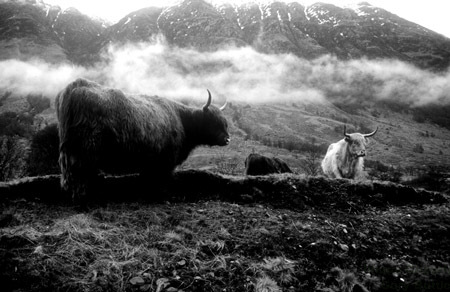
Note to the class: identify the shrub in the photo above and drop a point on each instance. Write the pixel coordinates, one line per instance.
(311, 164)
(434, 178)
(302, 146)
(44, 152)
(380, 171)
(4, 96)
(401, 275)
(391, 175)
(394, 105)
(434, 113)
(362, 128)
(228, 165)
(349, 107)
(291, 145)
(418, 148)
(375, 113)
(376, 165)
(38, 103)
(14, 124)
(12, 157)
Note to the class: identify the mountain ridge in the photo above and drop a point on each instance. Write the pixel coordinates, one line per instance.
(364, 31)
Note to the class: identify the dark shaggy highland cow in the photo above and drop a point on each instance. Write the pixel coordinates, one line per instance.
(102, 129)
(256, 164)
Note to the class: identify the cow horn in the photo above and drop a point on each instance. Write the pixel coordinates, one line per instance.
(208, 103)
(371, 134)
(345, 132)
(224, 106)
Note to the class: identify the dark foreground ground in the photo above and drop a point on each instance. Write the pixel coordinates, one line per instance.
(213, 233)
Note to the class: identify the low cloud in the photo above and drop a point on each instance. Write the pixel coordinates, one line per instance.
(235, 74)
(36, 77)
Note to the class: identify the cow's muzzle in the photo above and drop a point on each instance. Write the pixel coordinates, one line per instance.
(223, 141)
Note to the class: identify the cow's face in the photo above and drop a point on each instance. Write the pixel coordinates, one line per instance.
(216, 127)
(356, 144)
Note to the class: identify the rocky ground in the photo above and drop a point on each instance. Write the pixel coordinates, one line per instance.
(210, 232)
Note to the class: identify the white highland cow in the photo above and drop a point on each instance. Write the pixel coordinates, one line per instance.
(345, 158)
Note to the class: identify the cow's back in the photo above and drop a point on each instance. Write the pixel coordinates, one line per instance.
(75, 110)
(121, 133)
(256, 164)
(331, 158)
(282, 166)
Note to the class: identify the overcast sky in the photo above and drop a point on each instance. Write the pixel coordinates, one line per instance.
(432, 14)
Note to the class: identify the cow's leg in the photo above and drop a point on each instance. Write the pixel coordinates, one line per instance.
(156, 183)
(78, 176)
(337, 174)
(336, 171)
(78, 161)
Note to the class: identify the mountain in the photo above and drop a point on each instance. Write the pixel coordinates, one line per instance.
(26, 32)
(408, 136)
(137, 26)
(366, 30)
(78, 34)
(31, 27)
(198, 24)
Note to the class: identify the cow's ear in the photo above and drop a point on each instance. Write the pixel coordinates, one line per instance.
(347, 139)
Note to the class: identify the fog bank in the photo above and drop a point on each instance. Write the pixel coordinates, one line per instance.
(235, 74)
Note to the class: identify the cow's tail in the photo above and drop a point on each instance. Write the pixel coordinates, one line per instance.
(66, 164)
(60, 101)
(74, 161)
(74, 178)
(67, 148)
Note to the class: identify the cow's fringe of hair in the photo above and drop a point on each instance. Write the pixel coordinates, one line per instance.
(358, 171)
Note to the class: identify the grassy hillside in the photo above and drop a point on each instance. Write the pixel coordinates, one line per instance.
(292, 130)
(296, 132)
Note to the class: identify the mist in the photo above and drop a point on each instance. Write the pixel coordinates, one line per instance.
(235, 74)
(36, 77)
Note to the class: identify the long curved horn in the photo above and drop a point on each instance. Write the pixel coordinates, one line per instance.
(345, 132)
(208, 103)
(371, 134)
(224, 106)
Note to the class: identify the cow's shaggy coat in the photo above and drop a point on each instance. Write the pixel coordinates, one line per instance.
(256, 164)
(102, 129)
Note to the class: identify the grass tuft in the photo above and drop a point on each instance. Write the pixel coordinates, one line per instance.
(266, 284)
